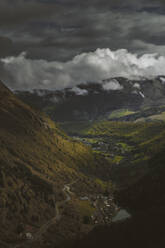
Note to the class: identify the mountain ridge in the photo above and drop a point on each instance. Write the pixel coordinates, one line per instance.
(92, 101)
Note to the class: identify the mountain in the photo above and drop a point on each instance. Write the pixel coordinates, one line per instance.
(37, 160)
(93, 101)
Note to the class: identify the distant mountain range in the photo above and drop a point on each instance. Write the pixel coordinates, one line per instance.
(94, 101)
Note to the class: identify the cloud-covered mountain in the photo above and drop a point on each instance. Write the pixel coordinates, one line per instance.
(23, 73)
(91, 101)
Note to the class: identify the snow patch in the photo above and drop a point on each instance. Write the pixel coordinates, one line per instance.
(142, 95)
(162, 80)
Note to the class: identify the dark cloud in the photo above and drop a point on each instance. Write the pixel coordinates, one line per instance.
(61, 29)
(20, 12)
(55, 31)
(6, 46)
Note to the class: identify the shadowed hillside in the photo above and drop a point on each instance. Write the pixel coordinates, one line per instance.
(37, 159)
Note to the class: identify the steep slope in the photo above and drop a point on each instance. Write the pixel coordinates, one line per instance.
(37, 159)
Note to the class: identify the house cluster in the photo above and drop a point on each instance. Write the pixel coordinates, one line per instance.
(105, 209)
(101, 146)
(104, 206)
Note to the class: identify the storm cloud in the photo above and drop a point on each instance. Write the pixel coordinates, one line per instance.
(60, 30)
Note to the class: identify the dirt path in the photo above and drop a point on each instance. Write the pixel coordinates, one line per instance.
(67, 192)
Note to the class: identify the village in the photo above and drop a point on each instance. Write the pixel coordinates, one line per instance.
(105, 208)
(116, 150)
(102, 144)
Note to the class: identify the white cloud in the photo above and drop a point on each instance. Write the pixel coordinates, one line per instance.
(112, 84)
(25, 73)
(78, 91)
(137, 85)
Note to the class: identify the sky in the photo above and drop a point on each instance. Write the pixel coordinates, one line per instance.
(58, 37)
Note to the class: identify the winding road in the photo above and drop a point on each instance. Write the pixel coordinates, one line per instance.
(37, 236)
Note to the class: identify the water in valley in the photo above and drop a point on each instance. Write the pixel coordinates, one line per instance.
(122, 214)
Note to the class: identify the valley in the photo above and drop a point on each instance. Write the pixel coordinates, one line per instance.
(37, 159)
(82, 124)
(65, 182)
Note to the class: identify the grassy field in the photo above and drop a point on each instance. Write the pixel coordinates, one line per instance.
(120, 113)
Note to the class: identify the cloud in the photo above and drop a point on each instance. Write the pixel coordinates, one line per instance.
(79, 92)
(61, 29)
(5, 46)
(19, 12)
(112, 84)
(25, 73)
